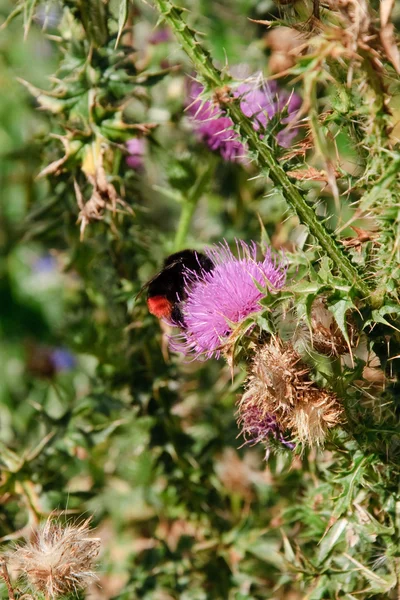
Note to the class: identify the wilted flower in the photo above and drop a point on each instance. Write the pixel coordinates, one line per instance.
(279, 385)
(285, 44)
(258, 426)
(259, 100)
(220, 298)
(59, 559)
(327, 337)
(136, 149)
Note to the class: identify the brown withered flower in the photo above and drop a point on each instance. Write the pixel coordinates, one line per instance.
(59, 558)
(279, 385)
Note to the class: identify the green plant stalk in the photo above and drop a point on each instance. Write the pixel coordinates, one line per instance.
(264, 158)
(184, 224)
(189, 207)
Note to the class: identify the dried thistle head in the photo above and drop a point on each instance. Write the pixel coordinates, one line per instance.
(276, 378)
(311, 419)
(59, 558)
(279, 387)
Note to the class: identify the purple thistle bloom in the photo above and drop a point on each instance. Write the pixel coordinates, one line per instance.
(218, 299)
(258, 101)
(213, 128)
(136, 149)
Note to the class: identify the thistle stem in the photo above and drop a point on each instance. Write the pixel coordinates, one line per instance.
(189, 207)
(184, 224)
(263, 158)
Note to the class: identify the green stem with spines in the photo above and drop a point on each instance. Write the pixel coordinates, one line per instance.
(214, 80)
(189, 206)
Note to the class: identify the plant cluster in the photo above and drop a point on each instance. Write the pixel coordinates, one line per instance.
(250, 448)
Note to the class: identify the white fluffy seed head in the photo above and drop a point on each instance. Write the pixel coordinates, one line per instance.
(59, 558)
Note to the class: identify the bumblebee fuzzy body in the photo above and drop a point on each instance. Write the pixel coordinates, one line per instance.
(166, 290)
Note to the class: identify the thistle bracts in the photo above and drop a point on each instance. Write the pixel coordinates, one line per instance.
(279, 387)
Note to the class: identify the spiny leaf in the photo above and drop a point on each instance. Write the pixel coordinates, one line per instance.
(122, 18)
(349, 482)
(378, 315)
(378, 583)
(339, 310)
(330, 540)
(94, 20)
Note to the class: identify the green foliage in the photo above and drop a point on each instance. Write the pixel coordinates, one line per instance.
(125, 429)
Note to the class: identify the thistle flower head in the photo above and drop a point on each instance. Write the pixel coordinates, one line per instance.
(220, 298)
(279, 384)
(259, 100)
(311, 418)
(326, 335)
(213, 127)
(59, 559)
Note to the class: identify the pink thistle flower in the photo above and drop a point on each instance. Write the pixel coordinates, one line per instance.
(213, 127)
(136, 149)
(222, 297)
(259, 100)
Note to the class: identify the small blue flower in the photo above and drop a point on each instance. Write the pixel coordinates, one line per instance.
(62, 359)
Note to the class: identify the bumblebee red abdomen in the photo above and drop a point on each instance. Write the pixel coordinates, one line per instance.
(159, 306)
(166, 290)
